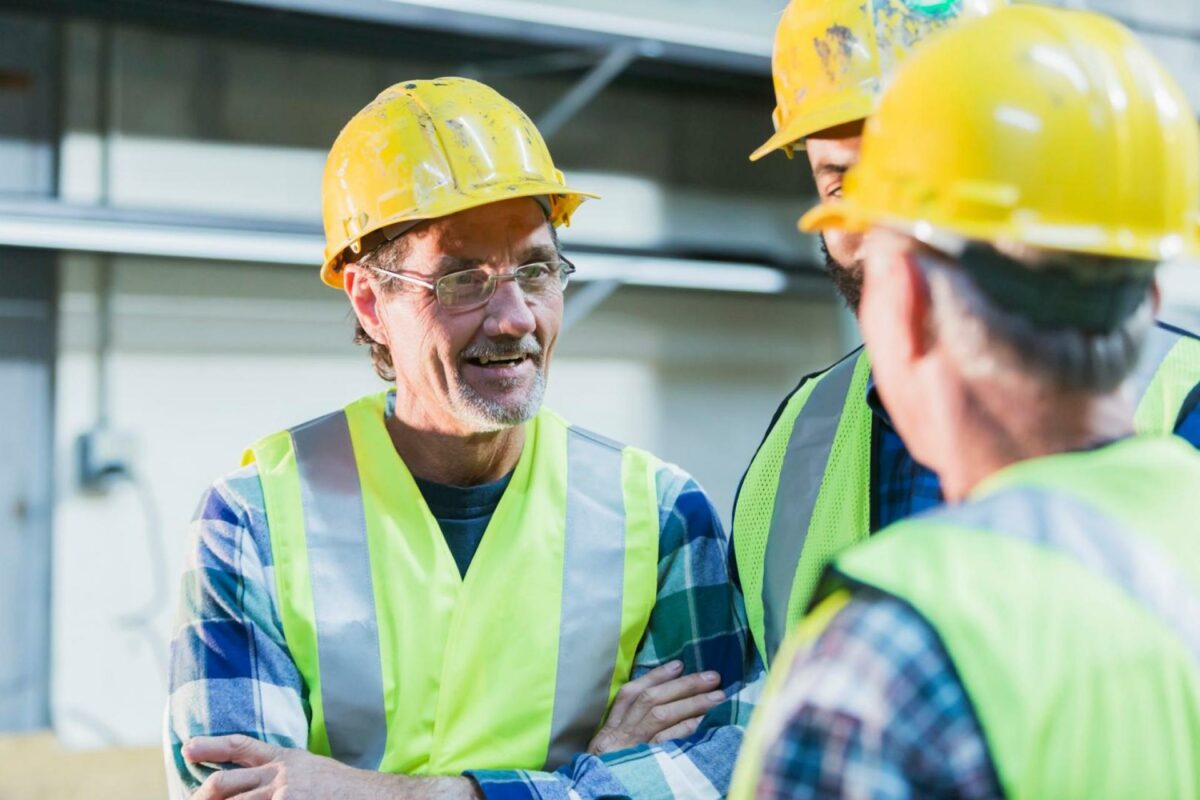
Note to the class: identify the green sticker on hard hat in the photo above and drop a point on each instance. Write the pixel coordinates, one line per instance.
(935, 8)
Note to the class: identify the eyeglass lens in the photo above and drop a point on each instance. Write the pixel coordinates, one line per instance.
(472, 286)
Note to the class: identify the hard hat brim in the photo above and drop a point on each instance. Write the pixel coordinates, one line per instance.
(783, 139)
(843, 215)
(792, 135)
(847, 215)
(331, 274)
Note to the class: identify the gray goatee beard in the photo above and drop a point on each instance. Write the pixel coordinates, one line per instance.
(490, 414)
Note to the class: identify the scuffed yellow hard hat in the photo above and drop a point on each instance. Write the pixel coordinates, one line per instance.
(1037, 126)
(833, 57)
(426, 149)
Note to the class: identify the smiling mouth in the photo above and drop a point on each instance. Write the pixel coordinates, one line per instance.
(498, 361)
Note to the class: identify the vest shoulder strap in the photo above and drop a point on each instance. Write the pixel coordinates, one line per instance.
(1167, 374)
(822, 504)
(1053, 521)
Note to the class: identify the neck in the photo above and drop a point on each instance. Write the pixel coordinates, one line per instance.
(456, 458)
(991, 436)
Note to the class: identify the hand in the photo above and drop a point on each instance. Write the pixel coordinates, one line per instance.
(658, 707)
(276, 773)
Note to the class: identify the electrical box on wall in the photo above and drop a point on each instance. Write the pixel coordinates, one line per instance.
(103, 454)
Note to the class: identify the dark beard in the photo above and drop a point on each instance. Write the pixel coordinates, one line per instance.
(846, 280)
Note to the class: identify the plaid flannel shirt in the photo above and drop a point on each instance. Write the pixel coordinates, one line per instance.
(231, 671)
(875, 710)
(901, 486)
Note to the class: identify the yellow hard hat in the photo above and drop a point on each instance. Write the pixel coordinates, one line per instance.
(1037, 126)
(833, 57)
(427, 149)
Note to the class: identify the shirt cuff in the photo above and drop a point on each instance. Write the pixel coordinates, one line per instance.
(497, 784)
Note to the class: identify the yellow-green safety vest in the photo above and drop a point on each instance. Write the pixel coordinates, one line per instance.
(1066, 592)
(806, 495)
(411, 668)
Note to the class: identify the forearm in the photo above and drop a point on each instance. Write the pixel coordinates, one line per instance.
(403, 787)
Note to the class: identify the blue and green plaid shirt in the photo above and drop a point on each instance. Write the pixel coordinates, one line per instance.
(901, 485)
(875, 710)
(231, 671)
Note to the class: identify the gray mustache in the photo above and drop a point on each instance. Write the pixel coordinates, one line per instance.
(512, 349)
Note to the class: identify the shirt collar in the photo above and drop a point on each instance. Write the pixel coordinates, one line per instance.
(874, 403)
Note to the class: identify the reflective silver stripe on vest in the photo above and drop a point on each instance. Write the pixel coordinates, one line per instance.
(339, 564)
(1096, 542)
(593, 586)
(1159, 342)
(804, 465)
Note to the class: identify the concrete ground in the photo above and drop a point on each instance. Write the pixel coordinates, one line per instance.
(36, 767)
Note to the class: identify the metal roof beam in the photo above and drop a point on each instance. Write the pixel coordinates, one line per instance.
(556, 28)
(590, 85)
(57, 226)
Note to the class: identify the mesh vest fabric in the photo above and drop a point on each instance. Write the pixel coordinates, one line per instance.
(415, 669)
(1171, 367)
(824, 456)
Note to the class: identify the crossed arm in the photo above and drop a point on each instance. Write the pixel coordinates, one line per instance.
(660, 706)
(269, 771)
(667, 732)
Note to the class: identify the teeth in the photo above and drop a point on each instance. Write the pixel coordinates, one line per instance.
(485, 360)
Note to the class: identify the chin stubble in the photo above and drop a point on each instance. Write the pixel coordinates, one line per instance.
(847, 280)
(490, 414)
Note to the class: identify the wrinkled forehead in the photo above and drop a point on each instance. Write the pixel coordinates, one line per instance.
(512, 233)
(499, 227)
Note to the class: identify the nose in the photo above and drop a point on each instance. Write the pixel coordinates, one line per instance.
(508, 313)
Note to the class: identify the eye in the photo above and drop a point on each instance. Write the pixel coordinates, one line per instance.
(535, 272)
(467, 278)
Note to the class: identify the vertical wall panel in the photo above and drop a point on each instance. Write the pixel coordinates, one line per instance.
(27, 346)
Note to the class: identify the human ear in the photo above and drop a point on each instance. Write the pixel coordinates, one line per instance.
(364, 299)
(914, 307)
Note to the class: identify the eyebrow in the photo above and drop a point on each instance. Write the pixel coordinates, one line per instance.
(448, 264)
(539, 253)
(832, 169)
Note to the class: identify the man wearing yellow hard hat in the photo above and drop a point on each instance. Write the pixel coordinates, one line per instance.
(832, 469)
(1039, 635)
(444, 590)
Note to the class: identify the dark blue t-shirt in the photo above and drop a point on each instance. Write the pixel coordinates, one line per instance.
(463, 514)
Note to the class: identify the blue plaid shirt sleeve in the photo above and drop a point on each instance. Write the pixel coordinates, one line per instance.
(875, 710)
(231, 671)
(698, 617)
(230, 668)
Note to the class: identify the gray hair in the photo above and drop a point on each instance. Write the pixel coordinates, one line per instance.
(387, 257)
(988, 341)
